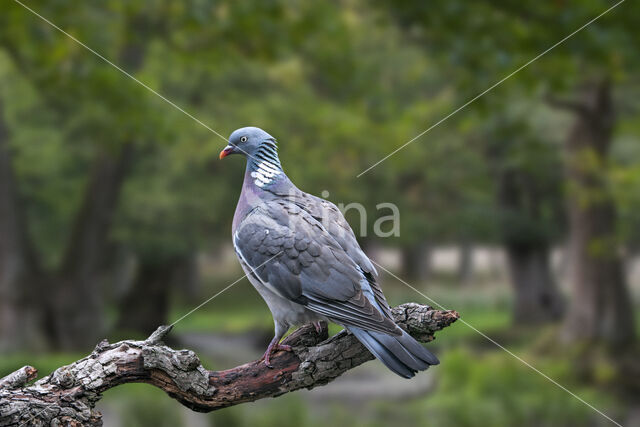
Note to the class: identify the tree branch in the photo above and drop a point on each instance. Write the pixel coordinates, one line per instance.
(68, 396)
(19, 378)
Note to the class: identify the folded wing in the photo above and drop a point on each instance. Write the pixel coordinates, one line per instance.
(309, 266)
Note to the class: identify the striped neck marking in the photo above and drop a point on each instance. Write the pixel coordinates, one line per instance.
(266, 167)
(265, 174)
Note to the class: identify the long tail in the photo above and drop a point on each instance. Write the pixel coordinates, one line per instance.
(402, 354)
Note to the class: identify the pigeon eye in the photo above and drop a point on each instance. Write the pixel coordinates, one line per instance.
(243, 139)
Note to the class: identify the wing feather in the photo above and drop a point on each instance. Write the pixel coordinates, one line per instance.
(337, 226)
(309, 266)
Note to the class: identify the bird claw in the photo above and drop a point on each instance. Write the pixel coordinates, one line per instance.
(318, 326)
(284, 347)
(266, 357)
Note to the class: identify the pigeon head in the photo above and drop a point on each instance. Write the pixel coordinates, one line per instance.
(249, 141)
(261, 151)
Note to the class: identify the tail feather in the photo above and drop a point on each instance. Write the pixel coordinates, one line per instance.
(402, 354)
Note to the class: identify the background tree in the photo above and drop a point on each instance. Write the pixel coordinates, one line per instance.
(106, 154)
(522, 36)
(111, 196)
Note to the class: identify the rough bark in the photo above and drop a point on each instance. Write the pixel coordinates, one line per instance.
(68, 396)
(600, 308)
(19, 378)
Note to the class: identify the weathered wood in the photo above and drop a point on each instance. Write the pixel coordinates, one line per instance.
(19, 378)
(68, 396)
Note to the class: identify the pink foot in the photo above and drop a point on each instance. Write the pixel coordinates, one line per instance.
(273, 347)
(318, 326)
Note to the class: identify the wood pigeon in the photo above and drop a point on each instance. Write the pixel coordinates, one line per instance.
(300, 254)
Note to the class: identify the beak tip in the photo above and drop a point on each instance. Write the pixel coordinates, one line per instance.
(224, 153)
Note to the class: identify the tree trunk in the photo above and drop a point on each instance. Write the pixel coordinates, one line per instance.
(416, 261)
(77, 325)
(536, 297)
(20, 322)
(600, 308)
(146, 305)
(465, 263)
(187, 276)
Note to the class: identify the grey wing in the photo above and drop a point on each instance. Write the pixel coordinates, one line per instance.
(294, 256)
(337, 226)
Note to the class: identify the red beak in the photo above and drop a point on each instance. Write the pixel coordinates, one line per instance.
(227, 150)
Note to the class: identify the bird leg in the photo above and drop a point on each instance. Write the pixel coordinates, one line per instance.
(274, 346)
(318, 326)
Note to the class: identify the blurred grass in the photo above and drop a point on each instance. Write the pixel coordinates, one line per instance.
(238, 309)
(495, 389)
(228, 315)
(46, 363)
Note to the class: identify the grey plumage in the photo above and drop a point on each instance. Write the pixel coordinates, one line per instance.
(303, 258)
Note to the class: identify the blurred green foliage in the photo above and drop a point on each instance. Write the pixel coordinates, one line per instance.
(491, 389)
(340, 85)
(322, 82)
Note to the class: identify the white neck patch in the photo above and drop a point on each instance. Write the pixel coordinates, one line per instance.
(265, 174)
